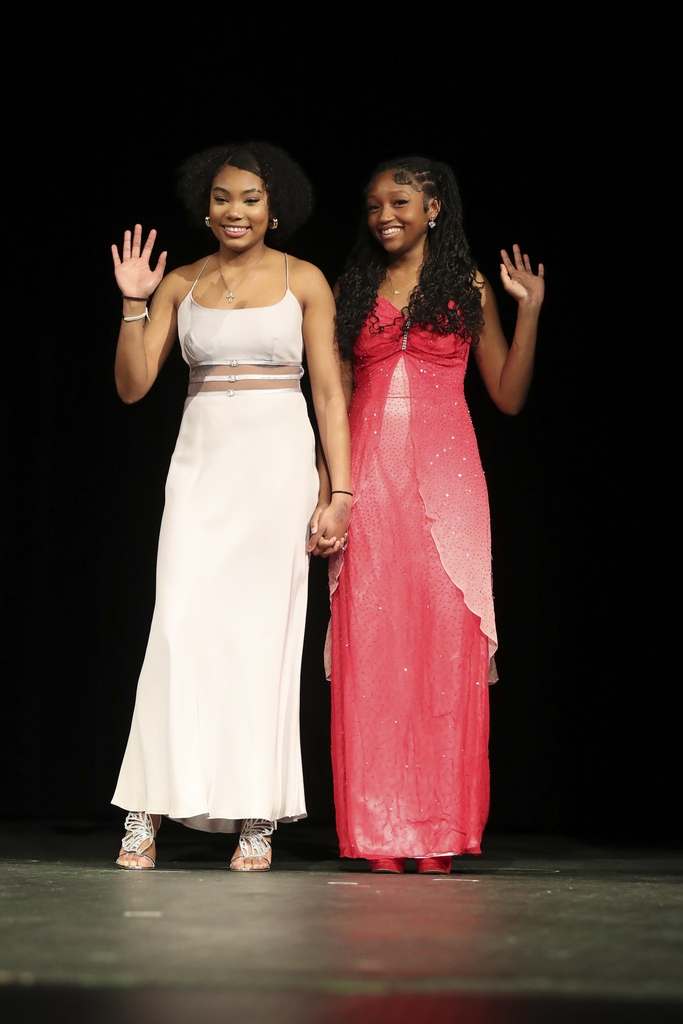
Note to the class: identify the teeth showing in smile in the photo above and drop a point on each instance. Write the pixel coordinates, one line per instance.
(389, 231)
(234, 231)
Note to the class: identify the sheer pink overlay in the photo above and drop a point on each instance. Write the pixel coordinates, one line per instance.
(412, 626)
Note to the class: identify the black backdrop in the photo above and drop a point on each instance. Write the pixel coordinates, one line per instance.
(554, 136)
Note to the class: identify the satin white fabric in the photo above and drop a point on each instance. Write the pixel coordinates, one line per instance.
(215, 731)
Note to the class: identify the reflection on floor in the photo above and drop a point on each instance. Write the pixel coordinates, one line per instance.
(537, 929)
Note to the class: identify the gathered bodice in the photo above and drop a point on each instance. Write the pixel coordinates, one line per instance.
(385, 336)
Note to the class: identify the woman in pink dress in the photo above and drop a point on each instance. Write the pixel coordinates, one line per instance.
(412, 633)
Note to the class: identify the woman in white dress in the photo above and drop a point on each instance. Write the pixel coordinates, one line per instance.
(214, 741)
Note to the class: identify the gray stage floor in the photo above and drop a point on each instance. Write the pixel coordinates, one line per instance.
(537, 929)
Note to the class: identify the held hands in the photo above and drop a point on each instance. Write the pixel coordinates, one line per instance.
(519, 280)
(134, 276)
(329, 526)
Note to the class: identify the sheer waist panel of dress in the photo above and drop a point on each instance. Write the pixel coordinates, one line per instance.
(220, 378)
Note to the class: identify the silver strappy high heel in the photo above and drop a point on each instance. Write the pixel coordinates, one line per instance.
(140, 834)
(254, 843)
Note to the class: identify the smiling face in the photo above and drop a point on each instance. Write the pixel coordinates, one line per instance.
(399, 214)
(238, 210)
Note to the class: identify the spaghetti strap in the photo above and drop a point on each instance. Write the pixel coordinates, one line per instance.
(286, 270)
(199, 274)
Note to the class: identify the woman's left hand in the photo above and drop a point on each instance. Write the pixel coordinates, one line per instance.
(329, 526)
(519, 280)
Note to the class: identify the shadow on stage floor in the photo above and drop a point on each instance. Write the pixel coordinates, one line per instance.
(537, 929)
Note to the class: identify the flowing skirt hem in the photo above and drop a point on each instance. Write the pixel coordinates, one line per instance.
(214, 823)
(354, 854)
(204, 823)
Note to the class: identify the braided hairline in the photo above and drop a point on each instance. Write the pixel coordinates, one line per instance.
(419, 182)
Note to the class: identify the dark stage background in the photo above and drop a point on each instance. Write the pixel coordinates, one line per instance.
(554, 140)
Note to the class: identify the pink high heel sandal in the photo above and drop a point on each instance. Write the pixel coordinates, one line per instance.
(434, 865)
(387, 865)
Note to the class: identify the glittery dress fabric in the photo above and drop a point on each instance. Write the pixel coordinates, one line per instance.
(215, 731)
(412, 629)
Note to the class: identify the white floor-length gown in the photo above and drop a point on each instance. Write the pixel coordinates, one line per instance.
(215, 731)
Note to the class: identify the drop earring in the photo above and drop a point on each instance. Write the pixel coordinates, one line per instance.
(432, 222)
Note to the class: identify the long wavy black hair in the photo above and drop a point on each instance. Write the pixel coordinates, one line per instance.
(447, 299)
(290, 195)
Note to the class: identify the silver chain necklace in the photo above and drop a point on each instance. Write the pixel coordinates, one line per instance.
(230, 292)
(397, 291)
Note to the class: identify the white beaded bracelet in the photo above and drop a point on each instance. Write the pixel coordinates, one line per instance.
(141, 316)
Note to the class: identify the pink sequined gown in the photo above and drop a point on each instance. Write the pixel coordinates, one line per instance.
(412, 628)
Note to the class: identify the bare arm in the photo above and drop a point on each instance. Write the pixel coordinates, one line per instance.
(143, 345)
(507, 371)
(318, 545)
(328, 399)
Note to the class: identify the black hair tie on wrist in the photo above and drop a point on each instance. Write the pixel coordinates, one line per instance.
(350, 493)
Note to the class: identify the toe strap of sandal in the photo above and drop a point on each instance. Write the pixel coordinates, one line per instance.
(139, 831)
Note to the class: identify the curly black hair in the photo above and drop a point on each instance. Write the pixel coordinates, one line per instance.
(290, 194)
(447, 299)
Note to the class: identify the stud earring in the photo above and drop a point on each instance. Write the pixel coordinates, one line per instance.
(207, 221)
(273, 223)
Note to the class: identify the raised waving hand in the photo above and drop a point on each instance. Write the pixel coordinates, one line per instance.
(134, 275)
(518, 278)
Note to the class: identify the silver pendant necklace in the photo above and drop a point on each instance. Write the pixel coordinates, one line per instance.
(397, 291)
(230, 292)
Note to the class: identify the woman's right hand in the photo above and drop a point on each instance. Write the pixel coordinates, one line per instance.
(331, 524)
(134, 276)
(317, 544)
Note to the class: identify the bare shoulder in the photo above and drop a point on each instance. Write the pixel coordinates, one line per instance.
(483, 286)
(306, 280)
(177, 283)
